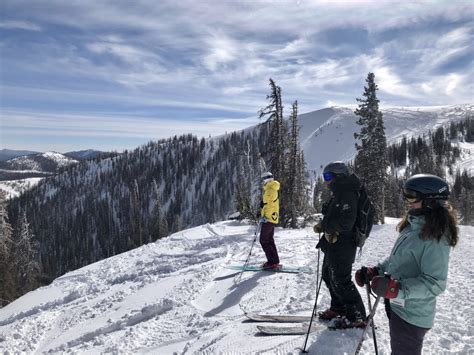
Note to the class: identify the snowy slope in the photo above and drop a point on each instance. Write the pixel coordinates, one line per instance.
(15, 188)
(175, 296)
(48, 162)
(327, 135)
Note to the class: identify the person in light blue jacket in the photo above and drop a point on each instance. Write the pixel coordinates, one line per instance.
(416, 271)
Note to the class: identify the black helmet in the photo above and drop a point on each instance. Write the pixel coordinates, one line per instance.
(427, 187)
(337, 168)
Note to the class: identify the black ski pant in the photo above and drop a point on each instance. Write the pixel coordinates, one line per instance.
(405, 338)
(268, 243)
(337, 275)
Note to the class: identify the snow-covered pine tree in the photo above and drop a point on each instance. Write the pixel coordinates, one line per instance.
(155, 220)
(294, 194)
(276, 146)
(247, 183)
(25, 257)
(135, 215)
(7, 284)
(371, 159)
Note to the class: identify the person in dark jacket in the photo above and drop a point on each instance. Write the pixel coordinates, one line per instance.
(339, 247)
(416, 271)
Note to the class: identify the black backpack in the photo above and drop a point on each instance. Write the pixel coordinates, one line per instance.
(365, 217)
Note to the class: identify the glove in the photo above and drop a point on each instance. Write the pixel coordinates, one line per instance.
(318, 228)
(263, 220)
(385, 286)
(331, 237)
(364, 275)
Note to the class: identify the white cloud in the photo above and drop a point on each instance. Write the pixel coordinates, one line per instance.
(391, 83)
(97, 125)
(221, 50)
(21, 25)
(453, 80)
(145, 56)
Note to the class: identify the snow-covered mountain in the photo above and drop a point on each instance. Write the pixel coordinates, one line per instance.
(20, 174)
(175, 296)
(35, 165)
(6, 154)
(41, 162)
(327, 135)
(83, 154)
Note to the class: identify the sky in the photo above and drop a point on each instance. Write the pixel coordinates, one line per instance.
(113, 75)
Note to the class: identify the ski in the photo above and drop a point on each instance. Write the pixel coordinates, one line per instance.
(293, 330)
(282, 268)
(277, 318)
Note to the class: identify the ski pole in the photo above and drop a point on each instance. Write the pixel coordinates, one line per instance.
(367, 287)
(257, 231)
(369, 321)
(315, 307)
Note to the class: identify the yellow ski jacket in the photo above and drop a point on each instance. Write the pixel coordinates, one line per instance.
(271, 204)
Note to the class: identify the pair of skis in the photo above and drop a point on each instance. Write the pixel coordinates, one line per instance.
(303, 326)
(282, 268)
(297, 329)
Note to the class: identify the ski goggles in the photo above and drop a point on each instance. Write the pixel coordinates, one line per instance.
(411, 196)
(328, 176)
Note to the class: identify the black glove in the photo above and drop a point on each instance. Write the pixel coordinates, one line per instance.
(318, 228)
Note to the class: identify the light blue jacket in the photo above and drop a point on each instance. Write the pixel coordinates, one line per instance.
(421, 267)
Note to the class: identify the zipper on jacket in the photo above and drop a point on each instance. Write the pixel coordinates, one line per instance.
(401, 242)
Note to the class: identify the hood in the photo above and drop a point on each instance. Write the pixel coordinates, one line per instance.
(275, 185)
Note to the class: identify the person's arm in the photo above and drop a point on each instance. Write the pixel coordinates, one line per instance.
(434, 273)
(269, 196)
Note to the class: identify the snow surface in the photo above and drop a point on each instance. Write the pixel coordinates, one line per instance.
(176, 296)
(15, 188)
(59, 158)
(29, 162)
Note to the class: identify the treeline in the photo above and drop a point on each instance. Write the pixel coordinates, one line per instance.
(20, 269)
(99, 208)
(433, 153)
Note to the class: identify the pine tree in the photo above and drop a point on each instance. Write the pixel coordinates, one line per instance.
(7, 285)
(275, 150)
(25, 256)
(246, 192)
(371, 159)
(293, 196)
(135, 215)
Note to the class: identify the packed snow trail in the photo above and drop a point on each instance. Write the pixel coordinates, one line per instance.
(176, 296)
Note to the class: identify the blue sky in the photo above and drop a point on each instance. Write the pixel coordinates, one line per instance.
(112, 75)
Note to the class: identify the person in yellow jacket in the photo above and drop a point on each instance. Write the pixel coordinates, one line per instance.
(269, 217)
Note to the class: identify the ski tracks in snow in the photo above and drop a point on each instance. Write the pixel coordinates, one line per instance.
(175, 296)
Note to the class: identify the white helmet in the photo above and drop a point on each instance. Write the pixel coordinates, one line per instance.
(266, 177)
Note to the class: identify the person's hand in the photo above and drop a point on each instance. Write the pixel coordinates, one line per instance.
(263, 219)
(385, 286)
(365, 274)
(331, 237)
(318, 228)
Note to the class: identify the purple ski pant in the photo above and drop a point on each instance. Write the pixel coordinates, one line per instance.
(268, 243)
